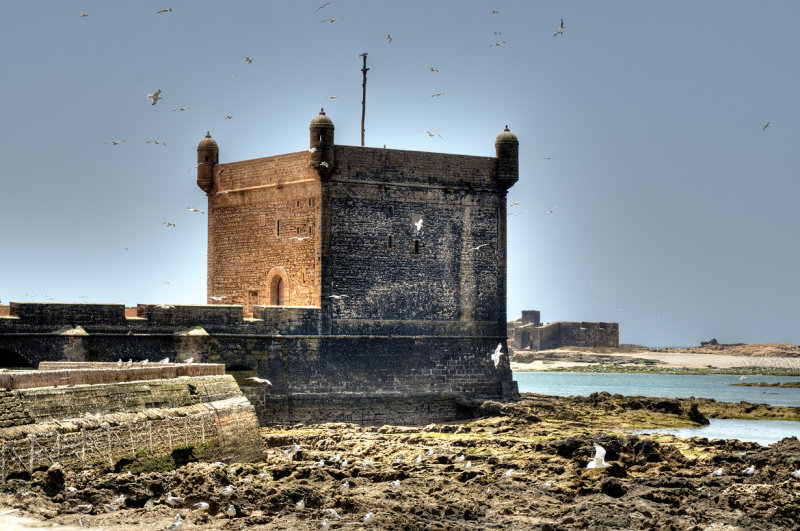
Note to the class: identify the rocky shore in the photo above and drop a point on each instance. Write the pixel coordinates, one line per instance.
(520, 465)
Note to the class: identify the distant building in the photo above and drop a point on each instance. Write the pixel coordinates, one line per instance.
(528, 333)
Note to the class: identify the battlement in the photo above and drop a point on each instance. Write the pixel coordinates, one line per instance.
(529, 333)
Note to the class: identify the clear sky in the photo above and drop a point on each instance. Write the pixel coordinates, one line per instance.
(673, 212)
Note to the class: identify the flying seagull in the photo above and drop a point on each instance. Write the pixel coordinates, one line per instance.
(560, 29)
(765, 126)
(228, 116)
(331, 20)
(438, 94)
(494, 12)
(84, 14)
(248, 60)
(156, 142)
(433, 69)
(418, 225)
(432, 134)
(193, 209)
(513, 203)
(165, 10)
(551, 210)
(258, 380)
(168, 224)
(181, 109)
(300, 238)
(114, 142)
(389, 38)
(499, 43)
(496, 354)
(155, 96)
(323, 6)
(331, 97)
(599, 460)
(478, 247)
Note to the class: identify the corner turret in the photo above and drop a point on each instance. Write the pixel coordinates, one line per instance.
(207, 157)
(507, 164)
(321, 142)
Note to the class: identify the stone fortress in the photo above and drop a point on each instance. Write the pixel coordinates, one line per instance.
(528, 333)
(367, 284)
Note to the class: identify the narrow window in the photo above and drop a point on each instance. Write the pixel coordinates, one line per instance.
(416, 246)
(298, 203)
(310, 201)
(389, 210)
(278, 228)
(298, 230)
(389, 242)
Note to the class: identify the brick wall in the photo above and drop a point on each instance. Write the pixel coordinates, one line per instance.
(263, 223)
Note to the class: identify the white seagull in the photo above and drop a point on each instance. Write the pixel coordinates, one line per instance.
(301, 504)
(230, 511)
(165, 10)
(599, 460)
(258, 380)
(193, 209)
(508, 473)
(418, 225)
(200, 506)
(248, 60)
(174, 501)
(165, 360)
(749, 470)
(765, 126)
(368, 518)
(496, 354)
(155, 96)
(177, 523)
(227, 491)
(478, 247)
(436, 95)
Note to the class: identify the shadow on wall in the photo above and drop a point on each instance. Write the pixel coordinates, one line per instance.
(12, 360)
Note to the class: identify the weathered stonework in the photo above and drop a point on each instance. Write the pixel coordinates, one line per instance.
(76, 417)
(530, 333)
(350, 277)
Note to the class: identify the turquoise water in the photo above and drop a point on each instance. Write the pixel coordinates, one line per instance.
(716, 386)
(763, 432)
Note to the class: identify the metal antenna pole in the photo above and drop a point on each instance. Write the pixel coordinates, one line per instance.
(363, 96)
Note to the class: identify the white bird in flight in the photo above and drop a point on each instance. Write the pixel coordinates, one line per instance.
(155, 96)
(432, 134)
(433, 69)
(436, 95)
(331, 20)
(765, 126)
(418, 225)
(599, 460)
(114, 142)
(228, 116)
(323, 6)
(478, 247)
(258, 380)
(156, 142)
(193, 209)
(84, 14)
(165, 10)
(248, 60)
(560, 29)
(181, 109)
(496, 354)
(553, 209)
(389, 38)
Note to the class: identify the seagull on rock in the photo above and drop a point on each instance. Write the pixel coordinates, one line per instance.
(599, 460)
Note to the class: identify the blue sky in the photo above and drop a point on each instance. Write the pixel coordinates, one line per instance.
(675, 213)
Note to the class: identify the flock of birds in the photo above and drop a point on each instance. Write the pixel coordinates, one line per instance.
(226, 496)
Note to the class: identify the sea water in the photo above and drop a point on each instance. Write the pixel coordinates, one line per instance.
(720, 387)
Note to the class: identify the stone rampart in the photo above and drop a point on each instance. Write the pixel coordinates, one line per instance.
(117, 417)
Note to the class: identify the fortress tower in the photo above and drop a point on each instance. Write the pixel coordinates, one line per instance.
(378, 239)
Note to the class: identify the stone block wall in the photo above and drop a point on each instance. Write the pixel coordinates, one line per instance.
(97, 424)
(263, 227)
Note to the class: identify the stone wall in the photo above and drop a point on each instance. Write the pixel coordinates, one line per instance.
(527, 335)
(98, 424)
(263, 223)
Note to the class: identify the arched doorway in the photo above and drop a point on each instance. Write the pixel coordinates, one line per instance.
(276, 291)
(278, 286)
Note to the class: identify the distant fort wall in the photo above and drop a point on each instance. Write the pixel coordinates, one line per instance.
(83, 415)
(530, 333)
(409, 371)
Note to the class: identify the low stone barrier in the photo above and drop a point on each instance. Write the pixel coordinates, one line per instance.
(67, 373)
